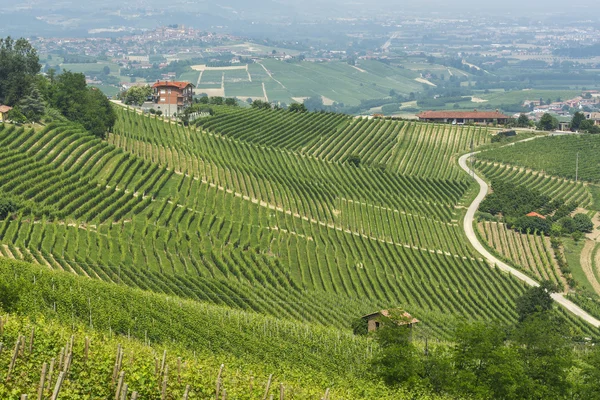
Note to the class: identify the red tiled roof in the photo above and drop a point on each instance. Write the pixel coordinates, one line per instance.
(534, 214)
(4, 109)
(180, 85)
(462, 114)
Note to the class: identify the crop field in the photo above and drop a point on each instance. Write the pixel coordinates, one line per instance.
(519, 96)
(554, 155)
(92, 332)
(404, 148)
(531, 252)
(336, 81)
(252, 222)
(557, 188)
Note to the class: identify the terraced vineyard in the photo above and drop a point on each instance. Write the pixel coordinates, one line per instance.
(249, 225)
(557, 188)
(554, 155)
(402, 147)
(533, 253)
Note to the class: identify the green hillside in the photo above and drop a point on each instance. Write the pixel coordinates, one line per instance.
(555, 155)
(196, 338)
(253, 226)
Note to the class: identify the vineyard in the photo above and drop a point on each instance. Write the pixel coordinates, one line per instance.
(556, 188)
(283, 231)
(531, 252)
(554, 155)
(86, 336)
(400, 147)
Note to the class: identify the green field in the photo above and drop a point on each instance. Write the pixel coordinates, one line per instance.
(260, 199)
(519, 96)
(336, 81)
(555, 155)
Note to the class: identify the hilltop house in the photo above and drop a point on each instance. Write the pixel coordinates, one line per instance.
(172, 97)
(4, 112)
(399, 317)
(463, 117)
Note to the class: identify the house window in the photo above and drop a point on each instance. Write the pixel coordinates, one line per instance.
(163, 99)
(162, 91)
(169, 91)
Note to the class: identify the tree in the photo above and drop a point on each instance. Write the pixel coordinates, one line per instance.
(231, 101)
(16, 116)
(485, 366)
(535, 300)
(398, 363)
(578, 118)
(79, 103)
(32, 106)
(136, 95)
(548, 123)
(265, 105)
(591, 375)
(7, 207)
(523, 121)
(19, 64)
(545, 350)
(583, 223)
(297, 107)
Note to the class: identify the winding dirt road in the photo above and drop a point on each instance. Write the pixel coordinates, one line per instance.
(470, 232)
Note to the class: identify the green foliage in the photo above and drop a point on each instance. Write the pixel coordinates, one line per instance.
(548, 123)
(7, 207)
(79, 103)
(265, 105)
(16, 116)
(398, 363)
(583, 222)
(32, 105)
(578, 118)
(555, 155)
(136, 95)
(19, 63)
(297, 107)
(353, 159)
(360, 326)
(523, 121)
(535, 300)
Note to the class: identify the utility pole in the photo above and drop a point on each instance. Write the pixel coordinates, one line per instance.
(577, 167)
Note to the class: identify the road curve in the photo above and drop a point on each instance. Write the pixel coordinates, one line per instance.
(470, 232)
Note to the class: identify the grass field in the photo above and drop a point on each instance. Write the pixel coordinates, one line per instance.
(519, 96)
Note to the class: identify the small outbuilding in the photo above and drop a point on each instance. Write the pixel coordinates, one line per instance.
(536, 215)
(398, 316)
(4, 112)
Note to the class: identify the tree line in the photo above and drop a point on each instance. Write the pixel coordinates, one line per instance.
(36, 97)
(534, 358)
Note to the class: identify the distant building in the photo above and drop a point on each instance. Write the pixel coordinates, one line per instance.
(402, 318)
(172, 97)
(4, 112)
(594, 117)
(463, 117)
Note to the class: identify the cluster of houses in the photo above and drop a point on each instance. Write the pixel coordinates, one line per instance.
(589, 99)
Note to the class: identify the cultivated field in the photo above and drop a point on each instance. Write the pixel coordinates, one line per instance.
(276, 225)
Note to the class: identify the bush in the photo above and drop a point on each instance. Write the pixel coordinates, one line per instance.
(583, 223)
(7, 207)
